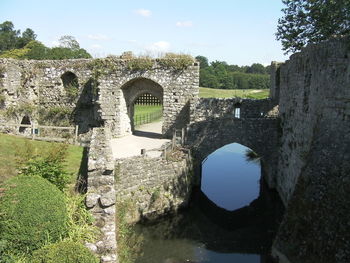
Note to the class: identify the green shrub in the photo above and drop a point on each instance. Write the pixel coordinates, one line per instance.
(58, 116)
(176, 61)
(140, 63)
(64, 252)
(50, 166)
(80, 220)
(33, 213)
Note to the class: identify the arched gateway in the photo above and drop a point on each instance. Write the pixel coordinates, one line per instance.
(140, 89)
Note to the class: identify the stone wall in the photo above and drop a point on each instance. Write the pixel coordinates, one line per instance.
(107, 89)
(101, 194)
(314, 166)
(207, 108)
(153, 187)
(213, 125)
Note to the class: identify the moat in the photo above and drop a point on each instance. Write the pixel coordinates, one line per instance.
(233, 217)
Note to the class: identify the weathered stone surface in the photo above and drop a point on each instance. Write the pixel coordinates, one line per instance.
(213, 125)
(108, 199)
(40, 84)
(101, 194)
(153, 187)
(91, 199)
(313, 174)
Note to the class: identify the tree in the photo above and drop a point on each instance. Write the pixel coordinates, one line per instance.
(37, 50)
(203, 61)
(27, 36)
(8, 36)
(256, 68)
(69, 42)
(312, 21)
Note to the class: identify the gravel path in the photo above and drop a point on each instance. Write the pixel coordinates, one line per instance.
(147, 136)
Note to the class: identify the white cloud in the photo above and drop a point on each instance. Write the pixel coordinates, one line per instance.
(55, 43)
(143, 12)
(98, 37)
(160, 46)
(95, 46)
(184, 24)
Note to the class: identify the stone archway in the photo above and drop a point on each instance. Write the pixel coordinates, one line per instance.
(132, 90)
(25, 121)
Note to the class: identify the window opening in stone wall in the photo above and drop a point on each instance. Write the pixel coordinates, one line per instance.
(25, 121)
(237, 111)
(70, 84)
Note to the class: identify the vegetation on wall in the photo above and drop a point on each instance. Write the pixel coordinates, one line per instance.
(220, 75)
(176, 61)
(57, 116)
(312, 21)
(140, 63)
(129, 244)
(2, 100)
(13, 44)
(21, 109)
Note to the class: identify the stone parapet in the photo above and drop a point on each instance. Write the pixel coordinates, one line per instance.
(101, 194)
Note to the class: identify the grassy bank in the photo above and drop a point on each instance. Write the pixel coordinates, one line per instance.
(224, 93)
(11, 145)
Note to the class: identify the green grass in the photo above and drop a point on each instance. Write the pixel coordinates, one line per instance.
(225, 93)
(147, 113)
(146, 109)
(10, 145)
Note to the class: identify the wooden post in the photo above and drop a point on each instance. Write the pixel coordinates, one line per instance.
(76, 133)
(174, 138)
(182, 136)
(33, 131)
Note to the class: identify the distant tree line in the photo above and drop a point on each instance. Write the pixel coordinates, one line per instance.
(14, 44)
(220, 75)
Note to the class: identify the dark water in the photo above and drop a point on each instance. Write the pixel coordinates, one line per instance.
(228, 179)
(207, 233)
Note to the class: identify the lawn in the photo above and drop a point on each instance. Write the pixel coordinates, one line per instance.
(10, 145)
(147, 113)
(146, 109)
(226, 93)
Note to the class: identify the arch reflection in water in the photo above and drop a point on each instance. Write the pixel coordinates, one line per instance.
(228, 179)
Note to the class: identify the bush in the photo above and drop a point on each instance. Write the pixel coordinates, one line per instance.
(50, 166)
(33, 213)
(140, 63)
(64, 252)
(176, 61)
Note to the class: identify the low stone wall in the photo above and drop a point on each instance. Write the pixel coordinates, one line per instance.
(207, 108)
(152, 187)
(101, 194)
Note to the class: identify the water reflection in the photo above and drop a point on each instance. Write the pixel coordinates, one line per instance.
(207, 233)
(228, 179)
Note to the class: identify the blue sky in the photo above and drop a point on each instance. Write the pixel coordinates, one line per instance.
(237, 31)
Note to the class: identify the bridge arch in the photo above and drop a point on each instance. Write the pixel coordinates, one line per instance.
(260, 135)
(134, 89)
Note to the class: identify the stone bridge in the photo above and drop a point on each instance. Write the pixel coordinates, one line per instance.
(252, 123)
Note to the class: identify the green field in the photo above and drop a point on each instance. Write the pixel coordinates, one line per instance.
(225, 93)
(146, 114)
(10, 145)
(146, 109)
